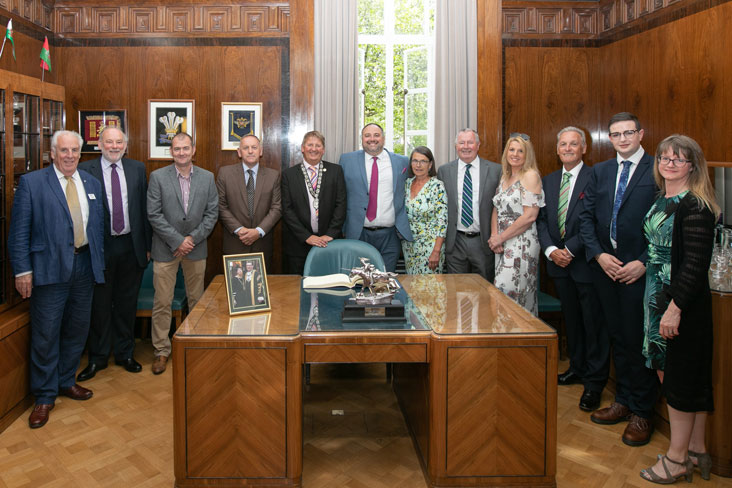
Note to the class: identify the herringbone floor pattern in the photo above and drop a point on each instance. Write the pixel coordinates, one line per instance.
(123, 437)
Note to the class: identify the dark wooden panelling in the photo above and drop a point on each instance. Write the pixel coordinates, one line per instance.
(37, 12)
(27, 49)
(489, 79)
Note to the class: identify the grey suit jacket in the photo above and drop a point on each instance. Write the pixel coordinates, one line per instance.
(169, 221)
(490, 175)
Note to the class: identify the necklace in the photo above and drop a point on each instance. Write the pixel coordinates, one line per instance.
(314, 193)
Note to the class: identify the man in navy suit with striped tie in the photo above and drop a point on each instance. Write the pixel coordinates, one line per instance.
(616, 201)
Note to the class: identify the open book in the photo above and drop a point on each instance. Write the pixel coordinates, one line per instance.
(330, 281)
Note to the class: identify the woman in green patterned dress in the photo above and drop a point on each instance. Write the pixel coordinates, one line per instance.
(678, 305)
(426, 204)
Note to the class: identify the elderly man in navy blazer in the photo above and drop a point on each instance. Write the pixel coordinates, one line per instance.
(620, 192)
(56, 249)
(375, 210)
(126, 252)
(559, 234)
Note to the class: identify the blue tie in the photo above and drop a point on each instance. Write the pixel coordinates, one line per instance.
(466, 215)
(622, 185)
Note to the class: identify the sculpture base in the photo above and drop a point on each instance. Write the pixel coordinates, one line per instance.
(391, 312)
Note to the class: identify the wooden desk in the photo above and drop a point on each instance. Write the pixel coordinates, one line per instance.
(475, 375)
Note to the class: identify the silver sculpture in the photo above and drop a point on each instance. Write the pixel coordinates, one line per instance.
(381, 285)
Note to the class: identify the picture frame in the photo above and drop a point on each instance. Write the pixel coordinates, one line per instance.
(166, 118)
(239, 119)
(250, 325)
(246, 283)
(91, 123)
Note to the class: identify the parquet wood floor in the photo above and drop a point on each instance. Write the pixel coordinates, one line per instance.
(123, 437)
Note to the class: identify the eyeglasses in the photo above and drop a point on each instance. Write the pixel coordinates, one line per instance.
(523, 136)
(672, 161)
(627, 133)
(419, 162)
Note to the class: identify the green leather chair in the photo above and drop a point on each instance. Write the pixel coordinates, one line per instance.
(341, 256)
(147, 292)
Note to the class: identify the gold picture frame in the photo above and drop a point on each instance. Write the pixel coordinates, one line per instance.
(247, 290)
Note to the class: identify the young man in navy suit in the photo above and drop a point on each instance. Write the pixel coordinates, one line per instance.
(56, 249)
(559, 234)
(616, 201)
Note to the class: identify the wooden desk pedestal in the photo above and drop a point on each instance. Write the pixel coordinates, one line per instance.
(480, 402)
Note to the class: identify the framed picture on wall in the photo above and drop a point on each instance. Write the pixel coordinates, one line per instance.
(91, 123)
(239, 119)
(246, 283)
(166, 118)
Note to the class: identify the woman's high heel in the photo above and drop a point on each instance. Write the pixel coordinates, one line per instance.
(649, 475)
(703, 462)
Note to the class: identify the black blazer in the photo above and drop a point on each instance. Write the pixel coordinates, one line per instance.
(597, 213)
(548, 225)
(296, 207)
(136, 180)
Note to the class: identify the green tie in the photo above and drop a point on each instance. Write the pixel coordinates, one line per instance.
(72, 200)
(563, 201)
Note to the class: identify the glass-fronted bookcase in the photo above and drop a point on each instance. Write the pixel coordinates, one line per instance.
(32, 111)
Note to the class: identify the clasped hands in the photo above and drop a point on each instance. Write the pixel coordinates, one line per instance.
(561, 257)
(617, 271)
(185, 247)
(318, 241)
(248, 236)
(496, 244)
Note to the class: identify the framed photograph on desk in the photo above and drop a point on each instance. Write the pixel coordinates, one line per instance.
(246, 283)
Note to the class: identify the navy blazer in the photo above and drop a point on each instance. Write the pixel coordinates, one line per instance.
(354, 171)
(548, 225)
(41, 236)
(136, 180)
(597, 213)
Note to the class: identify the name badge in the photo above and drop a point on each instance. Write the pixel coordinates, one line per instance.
(91, 196)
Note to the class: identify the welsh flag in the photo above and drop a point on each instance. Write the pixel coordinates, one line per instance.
(45, 55)
(9, 36)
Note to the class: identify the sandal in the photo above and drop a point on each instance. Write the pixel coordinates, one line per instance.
(703, 462)
(649, 475)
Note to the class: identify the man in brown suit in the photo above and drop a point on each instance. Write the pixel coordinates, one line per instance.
(249, 202)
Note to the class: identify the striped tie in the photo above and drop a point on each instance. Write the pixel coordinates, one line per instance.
(622, 185)
(563, 203)
(313, 182)
(466, 216)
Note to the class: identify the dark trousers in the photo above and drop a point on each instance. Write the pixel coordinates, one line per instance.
(622, 306)
(586, 333)
(115, 303)
(387, 242)
(294, 264)
(59, 326)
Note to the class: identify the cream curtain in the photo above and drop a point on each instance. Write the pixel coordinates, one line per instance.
(336, 75)
(456, 74)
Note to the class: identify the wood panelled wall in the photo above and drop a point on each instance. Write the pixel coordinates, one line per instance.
(675, 78)
(28, 43)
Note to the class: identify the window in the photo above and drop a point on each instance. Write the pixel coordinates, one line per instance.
(396, 68)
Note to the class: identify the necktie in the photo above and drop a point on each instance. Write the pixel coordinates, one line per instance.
(72, 200)
(563, 203)
(313, 177)
(622, 185)
(250, 194)
(373, 190)
(466, 216)
(118, 216)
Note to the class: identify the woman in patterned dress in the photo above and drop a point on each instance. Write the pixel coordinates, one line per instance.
(679, 228)
(514, 238)
(426, 204)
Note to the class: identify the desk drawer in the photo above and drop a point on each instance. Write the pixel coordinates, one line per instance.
(365, 353)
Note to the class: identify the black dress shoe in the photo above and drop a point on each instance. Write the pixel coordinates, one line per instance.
(130, 365)
(590, 400)
(89, 372)
(568, 378)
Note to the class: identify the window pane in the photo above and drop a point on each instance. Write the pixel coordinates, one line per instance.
(414, 141)
(374, 82)
(408, 16)
(417, 111)
(370, 16)
(417, 68)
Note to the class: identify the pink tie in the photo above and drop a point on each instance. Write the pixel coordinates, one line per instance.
(373, 190)
(313, 178)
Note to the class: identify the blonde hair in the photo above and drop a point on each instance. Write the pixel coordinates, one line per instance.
(699, 183)
(529, 163)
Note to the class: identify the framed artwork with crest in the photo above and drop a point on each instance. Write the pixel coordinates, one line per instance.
(239, 119)
(166, 118)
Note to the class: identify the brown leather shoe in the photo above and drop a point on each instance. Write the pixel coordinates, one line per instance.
(76, 392)
(39, 415)
(638, 432)
(159, 364)
(614, 414)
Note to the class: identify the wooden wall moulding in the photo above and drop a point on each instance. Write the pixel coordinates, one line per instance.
(566, 19)
(270, 19)
(37, 12)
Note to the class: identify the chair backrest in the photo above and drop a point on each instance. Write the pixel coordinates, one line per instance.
(341, 256)
(147, 278)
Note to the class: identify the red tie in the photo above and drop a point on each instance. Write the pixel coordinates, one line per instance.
(373, 190)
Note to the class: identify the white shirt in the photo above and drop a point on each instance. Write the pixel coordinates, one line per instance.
(107, 174)
(385, 216)
(575, 173)
(634, 159)
(475, 177)
(83, 202)
(313, 216)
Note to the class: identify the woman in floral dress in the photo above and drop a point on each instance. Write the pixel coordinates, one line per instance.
(426, 204)
(514, 238)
